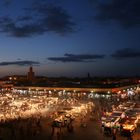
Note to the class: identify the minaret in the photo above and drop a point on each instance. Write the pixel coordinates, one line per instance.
(31, 74)
(88, 75)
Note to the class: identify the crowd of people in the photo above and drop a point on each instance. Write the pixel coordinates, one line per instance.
(28, 114)
(24, 115)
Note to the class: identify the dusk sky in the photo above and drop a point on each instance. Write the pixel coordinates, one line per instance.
(70, 37)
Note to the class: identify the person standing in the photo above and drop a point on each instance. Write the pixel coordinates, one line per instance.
(114, 137)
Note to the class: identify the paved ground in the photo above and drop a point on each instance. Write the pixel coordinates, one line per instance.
(28, 130)
(93, 132)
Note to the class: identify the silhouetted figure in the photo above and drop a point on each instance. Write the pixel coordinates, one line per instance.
(114, 137)
(13, 135)
(52, 130)
(58, 136)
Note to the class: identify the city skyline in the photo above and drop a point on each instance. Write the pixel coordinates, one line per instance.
(70, 38)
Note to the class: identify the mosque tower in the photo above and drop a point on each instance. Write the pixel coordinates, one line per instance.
(31, 74)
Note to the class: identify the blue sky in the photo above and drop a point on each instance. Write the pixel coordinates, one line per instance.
(70, 37)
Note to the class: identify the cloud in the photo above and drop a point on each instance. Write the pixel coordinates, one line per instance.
(7, 2)
(77, 58)
(19, 63)
(38, 19)
(123, 12)
(55, 18)
(126, 53)
(24, 18)
(7, 25)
